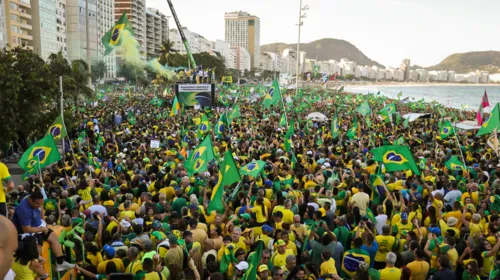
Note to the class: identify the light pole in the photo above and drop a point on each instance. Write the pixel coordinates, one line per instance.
(301, 16)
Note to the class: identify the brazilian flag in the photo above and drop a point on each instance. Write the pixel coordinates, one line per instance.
(454, 164)
(221, 125)
(395, 158)
(57, 129)
(446, 130)
(204, 126)
(41, 154)
(273, 95)
(199, 158)
(114, 37)
(253, 168)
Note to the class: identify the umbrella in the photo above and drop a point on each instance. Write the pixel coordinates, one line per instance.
(317, 116)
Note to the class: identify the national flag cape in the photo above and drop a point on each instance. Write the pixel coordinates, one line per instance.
(395, 158)
(253, 169)
(492, 123)
(175, 107)
(377, 184)
(221, 125)
(114, 37)
(41, 154)
(57, 129)
(352, 259)
(364, 109)
(199, 158)
(400, 141)
(227, 258)
(273, 95)
(446, 130)
(454, 164)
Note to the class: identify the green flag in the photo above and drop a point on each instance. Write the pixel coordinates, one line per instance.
(406, 123)
(253, 168)
(227, 258)
(204, 127)
(454, 164)
(446, 130)
(57, 129)
(273, 95)
(221, 125)
(387, 111)
(41, 154)
(422, 164)
(283, 120)
(492, 123)
(353, 131)
(364, 109)
(335, 127)
(114, 37)
(92, 161)
(199, 158)
(235, 113)
(251, 272)
(395, 158)
(231, 172)
(293, 161)
(400, 141)
(175, 107)
(215, 203)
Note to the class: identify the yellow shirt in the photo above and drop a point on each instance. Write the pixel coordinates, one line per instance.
(278, 259)
(488, 265)
(328, 267)
(386, 244)
(292, 246)
(85, 194)
(96, 259)
(23, 272)
(300, 230)
(127, 213)
(4, 176)
(419, 270)
(474, 229)
(134, 267)
(101, 268)
(260, 217)
(287, 214)
(390, 273)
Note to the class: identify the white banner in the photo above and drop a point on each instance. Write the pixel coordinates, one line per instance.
(195, 87)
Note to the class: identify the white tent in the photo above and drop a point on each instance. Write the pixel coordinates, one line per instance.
(467, 125)
(317, 116)
(414, 116)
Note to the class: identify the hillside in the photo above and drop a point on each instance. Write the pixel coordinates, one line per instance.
(325, 49)
(471, 61)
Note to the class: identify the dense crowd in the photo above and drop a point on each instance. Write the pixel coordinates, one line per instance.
(314, 212)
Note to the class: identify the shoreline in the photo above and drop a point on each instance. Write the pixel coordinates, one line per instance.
(412, 84)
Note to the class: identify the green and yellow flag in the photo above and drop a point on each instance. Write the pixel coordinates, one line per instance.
(251, 272)
(454, 164)
(114, 37)
(57, 129)
(41, 154)
(175, 107)
(364, 109)
(204, 127)
(273, 95)
(492, 123)
(395, 158)
(283, 120)
(446, 130)
(253, 168)
(335, 127)
(199, 158)
(221, 125)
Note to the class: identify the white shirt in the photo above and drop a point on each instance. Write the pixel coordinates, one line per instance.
(98, 208)
(434, 192)
(11, 275)
(451, 197)
(381, 220)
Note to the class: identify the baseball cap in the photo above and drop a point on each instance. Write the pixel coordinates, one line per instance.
(242, 266)
(125, 224)
(404, 216)
(267, 228)
(262, 268)
(435, 230)
(245, 216)
(280, 242)
(110, 251)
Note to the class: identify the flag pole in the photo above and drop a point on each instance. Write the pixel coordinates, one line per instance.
(62, 115)
(458, 144)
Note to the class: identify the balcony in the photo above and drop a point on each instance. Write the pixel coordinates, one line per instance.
(21, 13)
(23, 4)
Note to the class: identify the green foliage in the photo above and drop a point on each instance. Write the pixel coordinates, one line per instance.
(204, 58)
(471, 61)
(98, 70)
(166, 51)
(349, 77)
(30, 97)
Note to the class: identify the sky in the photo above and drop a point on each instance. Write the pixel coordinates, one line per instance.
(387, 31)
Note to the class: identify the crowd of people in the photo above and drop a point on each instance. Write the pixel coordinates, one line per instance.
(139, 211)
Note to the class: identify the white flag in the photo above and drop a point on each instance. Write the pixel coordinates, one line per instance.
(493, 142)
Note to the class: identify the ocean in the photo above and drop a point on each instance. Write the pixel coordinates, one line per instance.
(452, 96)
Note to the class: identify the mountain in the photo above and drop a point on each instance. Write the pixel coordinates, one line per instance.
(325, 49)
(470, 62)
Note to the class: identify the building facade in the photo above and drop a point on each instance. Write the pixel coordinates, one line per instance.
(136, 12)
(225, 50)
(61, 26)
(19, 23)
(106, 21)
(243, 30)
(44, 23)
(242, 58)
(157, 31)
(197, 43)
(3, 25)
(76, 37)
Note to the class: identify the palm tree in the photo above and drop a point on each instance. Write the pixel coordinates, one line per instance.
(59, 64)
(78, 78)
(98, 70)
(166, 50)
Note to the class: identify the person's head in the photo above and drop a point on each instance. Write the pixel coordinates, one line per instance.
(241, 267)
(277, 273)
(35, 199)
(386, 230)
(391, 259)
(291, 262)
(281, 246)
(263, 271)
(444, 262)
(326, 255)
(266, 256)
(472, 268)
(188, 236)
(28, 250)
(236, 234)
(132, 253)
(147, 264)
(240, 254)
(296, 220)
(358, 242)
(8, 245)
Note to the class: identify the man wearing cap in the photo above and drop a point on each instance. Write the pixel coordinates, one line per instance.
(241, 267)
(174, 259)
(402, 225)
(263, 272)
(109, 253)
(281, 253)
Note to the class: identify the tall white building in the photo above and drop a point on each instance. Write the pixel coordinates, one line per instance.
(76, 39)
(157, 31)
(106, 21)
(3, 27)
(242, 59)
(45, 34)
(61, 26)
(243, 30)
(226, 52)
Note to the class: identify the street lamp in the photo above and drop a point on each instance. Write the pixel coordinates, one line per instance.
(301, 16)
